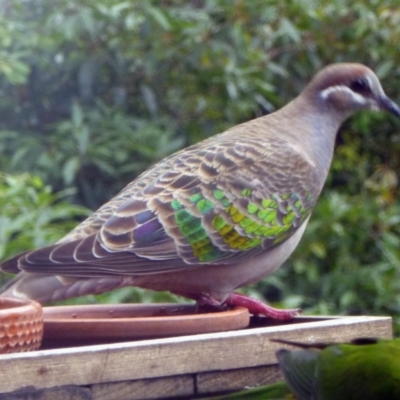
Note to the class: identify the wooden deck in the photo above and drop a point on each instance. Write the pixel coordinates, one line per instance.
(187, 366)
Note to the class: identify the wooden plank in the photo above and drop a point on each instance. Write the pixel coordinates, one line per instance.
(145, 389)
(223, 381)
(56, 393)
(173, 356)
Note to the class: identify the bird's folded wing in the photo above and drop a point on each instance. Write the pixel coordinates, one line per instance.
(213, 205)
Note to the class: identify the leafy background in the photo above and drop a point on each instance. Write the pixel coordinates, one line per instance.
(94, 91)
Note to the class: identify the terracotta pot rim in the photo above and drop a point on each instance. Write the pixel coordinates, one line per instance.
(8, 304)
(21, 321)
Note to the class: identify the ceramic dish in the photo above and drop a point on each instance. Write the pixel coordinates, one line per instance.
(105, 323)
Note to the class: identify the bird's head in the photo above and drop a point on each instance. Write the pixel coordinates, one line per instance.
(346, 88)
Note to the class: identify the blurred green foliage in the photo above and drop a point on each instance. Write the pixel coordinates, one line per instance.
(94, 91)
(32, 215)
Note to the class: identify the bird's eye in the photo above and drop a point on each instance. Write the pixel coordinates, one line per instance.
(360, 85)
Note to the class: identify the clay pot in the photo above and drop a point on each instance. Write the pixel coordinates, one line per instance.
(105, 323)
(21, 325)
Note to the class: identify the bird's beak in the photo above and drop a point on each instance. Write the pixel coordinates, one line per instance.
(386, 104)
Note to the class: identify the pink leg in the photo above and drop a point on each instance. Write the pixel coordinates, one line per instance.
(257, 307)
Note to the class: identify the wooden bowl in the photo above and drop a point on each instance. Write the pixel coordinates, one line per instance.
(21, 325)
(105, 323)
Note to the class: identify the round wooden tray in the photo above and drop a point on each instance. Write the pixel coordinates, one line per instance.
(105, 323)
(21, 325)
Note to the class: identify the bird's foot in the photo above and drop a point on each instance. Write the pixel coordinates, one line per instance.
(208, 303)
(257, 307)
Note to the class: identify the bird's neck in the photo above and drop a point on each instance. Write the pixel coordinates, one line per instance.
(313, 128)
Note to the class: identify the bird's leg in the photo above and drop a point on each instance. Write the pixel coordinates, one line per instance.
(257, 307)
(206, 303)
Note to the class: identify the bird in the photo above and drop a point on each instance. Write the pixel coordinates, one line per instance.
(216, 216)
(362, 369)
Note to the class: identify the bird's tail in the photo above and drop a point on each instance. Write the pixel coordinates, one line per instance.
(45, 288)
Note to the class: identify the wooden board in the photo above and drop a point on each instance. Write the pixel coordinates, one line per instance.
(145, 389)
(171, 357)
(237, 379)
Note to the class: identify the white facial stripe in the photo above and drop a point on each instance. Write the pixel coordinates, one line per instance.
(368, 78)
(341, 88)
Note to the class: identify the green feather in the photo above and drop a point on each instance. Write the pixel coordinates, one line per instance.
(252, 208)
(267, 203)
(196, 197)
(205, 206)
(367, 369)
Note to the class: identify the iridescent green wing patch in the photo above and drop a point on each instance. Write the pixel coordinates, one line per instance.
(191, 228)
(234, 228)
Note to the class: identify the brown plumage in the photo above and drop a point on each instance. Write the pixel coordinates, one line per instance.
(215, 216)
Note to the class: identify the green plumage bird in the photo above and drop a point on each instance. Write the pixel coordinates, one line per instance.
(364, 369)
(218, 215)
